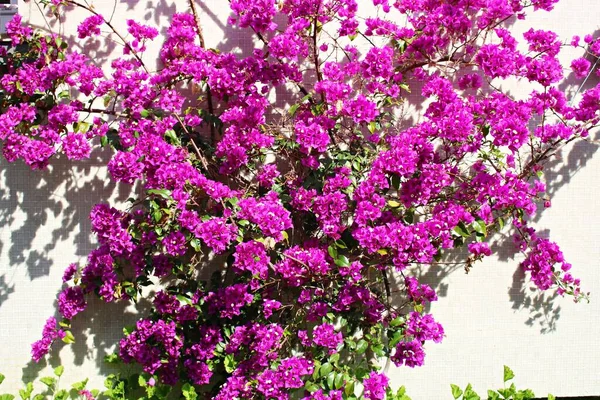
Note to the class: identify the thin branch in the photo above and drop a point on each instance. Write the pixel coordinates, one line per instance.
(209, 100)
(198, 26)
(113, 29)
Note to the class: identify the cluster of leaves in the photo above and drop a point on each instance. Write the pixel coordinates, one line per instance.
(510, 393)
(144, 387)
(52, 391)
(308, 217)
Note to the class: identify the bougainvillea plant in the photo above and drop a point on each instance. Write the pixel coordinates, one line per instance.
(309, 213)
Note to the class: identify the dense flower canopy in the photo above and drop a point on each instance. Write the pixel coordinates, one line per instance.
(310, 215)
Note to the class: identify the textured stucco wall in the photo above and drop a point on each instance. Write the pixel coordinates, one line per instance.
(491, 316)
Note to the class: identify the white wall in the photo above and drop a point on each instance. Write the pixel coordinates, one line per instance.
(491, 316)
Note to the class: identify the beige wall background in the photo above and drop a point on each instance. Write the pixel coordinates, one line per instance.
(491, 316)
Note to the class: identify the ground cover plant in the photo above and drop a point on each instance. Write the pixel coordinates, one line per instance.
(310, 212)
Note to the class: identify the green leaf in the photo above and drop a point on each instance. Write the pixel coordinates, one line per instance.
(311, 387)
(325, 369)
(79, 386)
(172, 136)
(6, 397)
(68, 338)
(405, 87)
(331, 380)
(164, 193)
(150, 391)
(485, 130)
(501, 223)
(393, 204)
(372, 126)
(456, 391)
(293, 109)
(2, 377)
(401, 394)
(471, 396)
(332, 252)
(64, 94)
(527, 394)
(396, 182)
(349, 388)
(308, 96)
(480, 227)
(132, 292)
(61, 395)
(229, 363)
(82, 126)
(551, 397)
(342, 261)
(317, 367)
(189, 392)
(144, 113)
(339, 381)
(493, 395)
(334, 359)
(508, 374)
(58, 371)
(48, 381)
(396, 338)
(196, 244)
(362, 346)
(233, 201)
(26, 393)
(378, 350)
(340, 243)
(461, 230)
(112, 358)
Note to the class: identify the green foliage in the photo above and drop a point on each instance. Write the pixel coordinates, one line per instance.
(330, 375)
(506, 393)
(51, 389)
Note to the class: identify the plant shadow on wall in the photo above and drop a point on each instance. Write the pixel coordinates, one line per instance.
(29, 199)
(106, 47)
(543, 307)
(64, 192)
(58, 191)
(561, 168)
(103, 323)
(6, 288)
